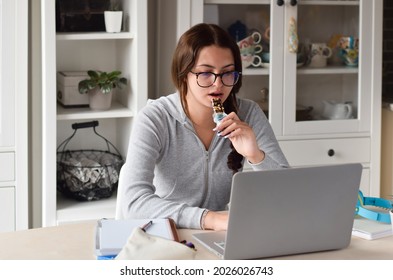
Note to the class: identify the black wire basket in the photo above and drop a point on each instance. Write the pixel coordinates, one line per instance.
(87, 175)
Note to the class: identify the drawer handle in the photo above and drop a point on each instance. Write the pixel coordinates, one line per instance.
(280, 2)
(331, 152)
(293, 2)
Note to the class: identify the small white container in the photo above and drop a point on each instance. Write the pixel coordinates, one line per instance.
(67, 88)
(113, 20)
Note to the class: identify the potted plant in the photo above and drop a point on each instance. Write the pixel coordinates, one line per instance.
(100, 87)
(113, 17)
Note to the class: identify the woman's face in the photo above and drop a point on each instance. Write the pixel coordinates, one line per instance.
(210, 59)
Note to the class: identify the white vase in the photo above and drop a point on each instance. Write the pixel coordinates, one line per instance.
(99, 101)
(113, 21)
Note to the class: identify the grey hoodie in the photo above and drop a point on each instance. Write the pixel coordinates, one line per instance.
(169, 173)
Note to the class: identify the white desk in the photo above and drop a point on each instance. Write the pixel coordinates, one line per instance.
(76, 242)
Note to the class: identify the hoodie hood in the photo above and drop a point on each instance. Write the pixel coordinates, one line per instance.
(172, 105)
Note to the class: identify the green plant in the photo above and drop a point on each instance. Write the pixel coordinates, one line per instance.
(105, 81)
(114, 5)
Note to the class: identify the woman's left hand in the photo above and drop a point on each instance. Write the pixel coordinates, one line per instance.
(242, 137)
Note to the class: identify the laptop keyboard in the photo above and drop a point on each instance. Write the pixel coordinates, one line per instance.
(220, 244)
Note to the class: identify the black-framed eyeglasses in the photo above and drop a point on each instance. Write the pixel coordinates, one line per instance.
(207, 79)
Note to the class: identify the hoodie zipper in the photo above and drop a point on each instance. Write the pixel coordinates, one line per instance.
(207, 155)
(206, 188)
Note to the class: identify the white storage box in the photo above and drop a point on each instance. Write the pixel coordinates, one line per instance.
(67, 89)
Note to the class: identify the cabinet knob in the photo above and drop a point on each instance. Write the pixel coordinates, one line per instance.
(331, 152)
(280, 2)
(293, 2)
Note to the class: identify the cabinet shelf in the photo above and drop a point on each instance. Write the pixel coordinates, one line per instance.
(303, 2)
(267, 2)
(117, 111)
(330, 2)
(306, 70)
(328, 70)
(93, 36)
(255, 71)
(70, 210)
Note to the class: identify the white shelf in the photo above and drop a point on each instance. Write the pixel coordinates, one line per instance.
(80, 51)
(69, 210)
(300, 2)
(306, 70)
(255, 71)
(117, 111)
(93, 36)
(330, 2)
(257, 2)
(328, 70)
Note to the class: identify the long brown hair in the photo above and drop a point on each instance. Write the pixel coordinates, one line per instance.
(184, 58)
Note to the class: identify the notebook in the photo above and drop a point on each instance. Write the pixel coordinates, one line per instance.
(112, 235)
(288, 211)
(369, 229)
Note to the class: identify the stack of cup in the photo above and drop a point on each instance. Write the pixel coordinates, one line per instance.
(249, 50)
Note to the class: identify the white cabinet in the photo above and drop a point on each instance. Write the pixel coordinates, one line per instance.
(7, 62)
(81, 51)
(303, 99)
(13, 115)
(7, 163)
(7, 209)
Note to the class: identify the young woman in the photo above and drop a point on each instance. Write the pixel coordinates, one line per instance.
(180, 162)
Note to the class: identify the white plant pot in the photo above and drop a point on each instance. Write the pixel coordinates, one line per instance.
(99, 101)
(113, 21)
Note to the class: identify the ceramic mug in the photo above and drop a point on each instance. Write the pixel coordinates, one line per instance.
(348, 50)
(266, 57)
(253, 39)
(250, 44)
(319, 53)
(351, 57)
(251, 60)
(253, 49)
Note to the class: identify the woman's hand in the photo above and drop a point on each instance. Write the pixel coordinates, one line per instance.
(216, 220)
(242, 137)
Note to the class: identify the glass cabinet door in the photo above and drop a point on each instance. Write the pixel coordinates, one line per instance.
(327, 74)
(257, 26)
(320, 85)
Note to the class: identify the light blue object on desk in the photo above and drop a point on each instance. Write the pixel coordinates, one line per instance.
(108, 257)
(370, 214)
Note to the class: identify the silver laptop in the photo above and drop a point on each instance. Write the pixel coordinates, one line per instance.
(288, 211)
